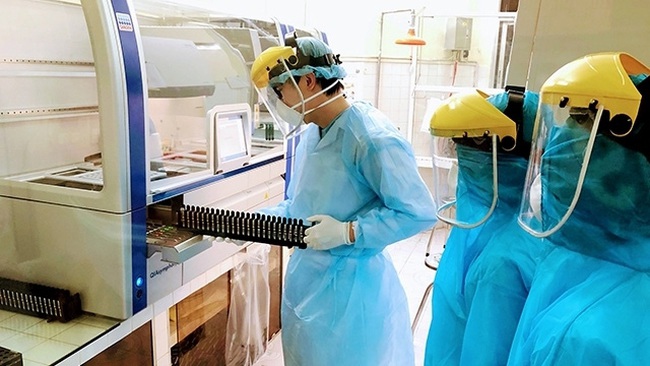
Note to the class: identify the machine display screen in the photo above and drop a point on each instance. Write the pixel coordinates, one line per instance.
(230, 129)
(231, 136)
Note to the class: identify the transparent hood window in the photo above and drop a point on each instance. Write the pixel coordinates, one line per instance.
(49, 123)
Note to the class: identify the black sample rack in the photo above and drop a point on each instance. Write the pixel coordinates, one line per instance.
(41, 301)
(241, 225)
(10, 358)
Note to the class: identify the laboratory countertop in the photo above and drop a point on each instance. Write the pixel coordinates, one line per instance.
(42, 343)
(260, 152)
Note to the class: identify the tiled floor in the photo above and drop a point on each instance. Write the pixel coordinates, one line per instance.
(42, 343)
(408, 257)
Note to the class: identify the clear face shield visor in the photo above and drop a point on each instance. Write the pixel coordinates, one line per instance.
(288, 120)
(446, 165)
(563, 137)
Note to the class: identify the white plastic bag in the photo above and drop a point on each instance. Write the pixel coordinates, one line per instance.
(248, 315)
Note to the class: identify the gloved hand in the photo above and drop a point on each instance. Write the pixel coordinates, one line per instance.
(328, 233)
(238, 243)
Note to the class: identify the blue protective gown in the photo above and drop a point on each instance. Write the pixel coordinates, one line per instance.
(346, 306)
(589, 300)
(447, 329)
(497, 283)
(484, 272)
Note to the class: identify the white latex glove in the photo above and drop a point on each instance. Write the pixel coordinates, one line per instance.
(328, 233)
(238, 243)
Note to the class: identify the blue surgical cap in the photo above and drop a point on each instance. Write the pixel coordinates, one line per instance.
(638, 78)
(313, 47)
(531, 101)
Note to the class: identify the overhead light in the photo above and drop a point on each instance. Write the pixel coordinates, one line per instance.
(411, 39)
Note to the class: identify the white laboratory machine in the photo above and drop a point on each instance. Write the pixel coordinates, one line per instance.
(111, 112)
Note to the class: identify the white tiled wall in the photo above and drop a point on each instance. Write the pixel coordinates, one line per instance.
(391, 93)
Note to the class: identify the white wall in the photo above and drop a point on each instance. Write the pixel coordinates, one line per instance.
(551, 33)
(352, 26)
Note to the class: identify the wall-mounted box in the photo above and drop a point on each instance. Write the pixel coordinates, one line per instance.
(459, 34)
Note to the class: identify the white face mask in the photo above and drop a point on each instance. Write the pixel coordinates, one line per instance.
(288, 114)
(535, 197)
(291, 114)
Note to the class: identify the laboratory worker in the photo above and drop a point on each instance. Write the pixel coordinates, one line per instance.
(489, 261)
(356, 180)
(587, 195)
